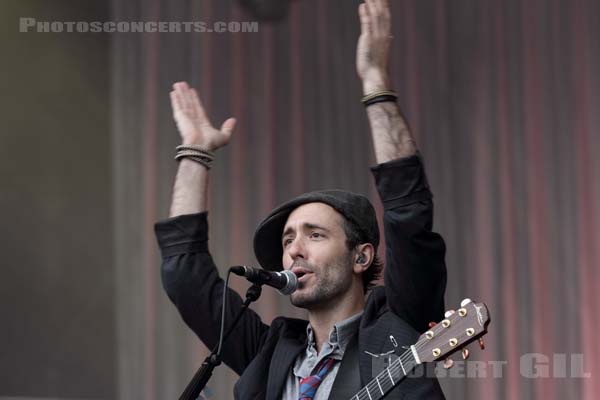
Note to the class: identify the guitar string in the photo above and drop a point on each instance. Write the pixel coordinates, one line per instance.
(393, 368)
(406, 357)
(374, 385)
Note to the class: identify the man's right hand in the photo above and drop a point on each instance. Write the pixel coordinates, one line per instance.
(190, 192)
(192, 122)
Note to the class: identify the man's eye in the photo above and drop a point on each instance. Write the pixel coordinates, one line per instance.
(286, 242)
(316, 235)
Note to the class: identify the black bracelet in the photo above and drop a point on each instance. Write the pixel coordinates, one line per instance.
(380, 99)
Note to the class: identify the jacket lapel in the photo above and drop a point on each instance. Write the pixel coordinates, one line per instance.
(372, 334)
(347, 380)
(285, 353)
(370, 341)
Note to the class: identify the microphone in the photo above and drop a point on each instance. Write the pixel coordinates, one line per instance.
(286, 282)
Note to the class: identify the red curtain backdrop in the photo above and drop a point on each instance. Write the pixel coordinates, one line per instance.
(503, 97)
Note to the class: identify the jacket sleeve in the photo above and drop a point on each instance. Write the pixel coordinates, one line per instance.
(191, 280)
(415, 270)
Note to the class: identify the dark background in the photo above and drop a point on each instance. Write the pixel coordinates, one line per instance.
(57, 288)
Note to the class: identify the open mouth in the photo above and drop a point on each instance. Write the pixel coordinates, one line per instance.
(302, 275)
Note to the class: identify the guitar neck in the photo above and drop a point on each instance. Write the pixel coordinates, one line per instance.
(388, 378)
(458, 329)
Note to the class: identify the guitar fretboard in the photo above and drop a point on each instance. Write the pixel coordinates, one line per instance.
(388, 378)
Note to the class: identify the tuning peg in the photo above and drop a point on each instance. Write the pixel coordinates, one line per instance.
(481, 344)
(465, 353)
(432, 324)
(465, 302)
(448, 363)
(448, 313)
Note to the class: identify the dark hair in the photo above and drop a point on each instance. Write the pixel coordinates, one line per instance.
(354, 237)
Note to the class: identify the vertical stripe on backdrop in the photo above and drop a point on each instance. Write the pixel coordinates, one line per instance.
(537, 193)
(322, 93)
(586, 208)
(295, 149)
(484, 185)
(149, 199)
(267, 151)
(563, 193)
(507, 208)
(239, 202)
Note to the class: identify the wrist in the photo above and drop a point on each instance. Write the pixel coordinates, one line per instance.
(195, 153)
(376, 84)
(198, 143)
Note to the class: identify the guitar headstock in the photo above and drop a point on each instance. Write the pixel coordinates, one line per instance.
(453, 333)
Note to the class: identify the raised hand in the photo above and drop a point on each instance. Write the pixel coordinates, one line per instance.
(192, 122)
(373, 49)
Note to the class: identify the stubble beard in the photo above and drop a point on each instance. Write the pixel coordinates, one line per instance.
(332, 282)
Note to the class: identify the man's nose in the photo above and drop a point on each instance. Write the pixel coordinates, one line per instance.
(296, 249)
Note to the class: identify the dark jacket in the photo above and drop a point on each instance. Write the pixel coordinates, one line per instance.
(413, 295)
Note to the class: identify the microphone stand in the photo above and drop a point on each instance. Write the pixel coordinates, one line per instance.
(213, 360)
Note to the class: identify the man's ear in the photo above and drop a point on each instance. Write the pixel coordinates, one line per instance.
(365, 254)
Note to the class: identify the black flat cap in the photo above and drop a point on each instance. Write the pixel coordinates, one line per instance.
(354, 207)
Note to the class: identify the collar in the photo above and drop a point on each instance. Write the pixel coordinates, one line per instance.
(340, 335)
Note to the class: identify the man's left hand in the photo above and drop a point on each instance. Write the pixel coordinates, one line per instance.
(373, 50)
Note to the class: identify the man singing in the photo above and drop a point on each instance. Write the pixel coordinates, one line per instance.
(327, 238)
